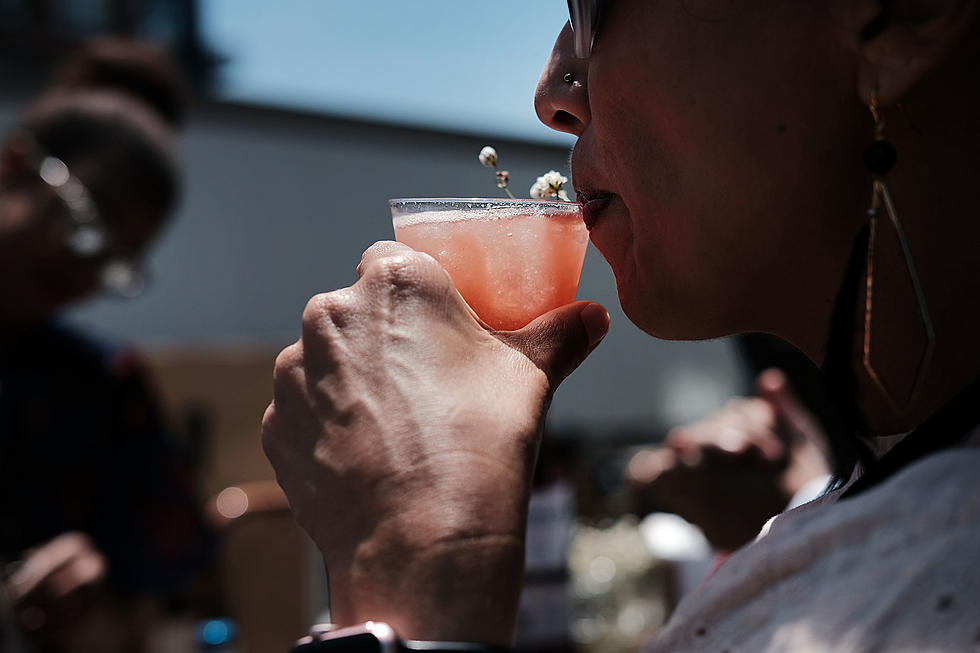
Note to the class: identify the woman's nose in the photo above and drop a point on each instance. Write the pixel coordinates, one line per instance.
(562, 97)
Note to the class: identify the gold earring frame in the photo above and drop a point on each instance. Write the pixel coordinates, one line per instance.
(881, 200)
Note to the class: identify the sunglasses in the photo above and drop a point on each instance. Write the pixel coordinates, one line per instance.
(88, 236)
(584, 19)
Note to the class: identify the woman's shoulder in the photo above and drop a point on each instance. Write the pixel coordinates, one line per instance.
(941, 486)
(892, 567)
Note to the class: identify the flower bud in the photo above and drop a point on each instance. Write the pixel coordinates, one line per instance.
(488, 156)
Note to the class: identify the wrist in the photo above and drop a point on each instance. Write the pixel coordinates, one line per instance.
(465, 590)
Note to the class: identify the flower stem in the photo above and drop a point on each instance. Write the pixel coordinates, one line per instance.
(506, 189)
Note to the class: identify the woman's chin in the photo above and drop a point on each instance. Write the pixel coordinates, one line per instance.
(665, 316)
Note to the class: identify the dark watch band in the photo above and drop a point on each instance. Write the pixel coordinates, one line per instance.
(468, 647)
(378, 637)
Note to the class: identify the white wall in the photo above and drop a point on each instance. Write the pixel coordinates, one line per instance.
(279, 206)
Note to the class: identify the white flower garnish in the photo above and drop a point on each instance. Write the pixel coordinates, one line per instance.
(488, 157)
(551, 184)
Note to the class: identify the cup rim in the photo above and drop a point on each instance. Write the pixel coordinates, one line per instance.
(496, 201)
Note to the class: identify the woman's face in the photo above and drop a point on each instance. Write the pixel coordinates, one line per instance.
(718, 157)
(39, 272)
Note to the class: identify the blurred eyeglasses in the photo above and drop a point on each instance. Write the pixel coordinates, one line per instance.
(88, 237)
(584, 19)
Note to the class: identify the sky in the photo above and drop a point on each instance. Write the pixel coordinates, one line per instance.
(463, 65)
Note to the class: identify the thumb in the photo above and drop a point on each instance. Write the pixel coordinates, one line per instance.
(773, 386)
(558, 341)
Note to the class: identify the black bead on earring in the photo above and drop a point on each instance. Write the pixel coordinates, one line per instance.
(880, 157)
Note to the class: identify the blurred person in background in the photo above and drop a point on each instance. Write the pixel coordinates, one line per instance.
(730, 472)
(97, 504)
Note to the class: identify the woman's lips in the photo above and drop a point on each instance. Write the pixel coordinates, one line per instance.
(592, 207)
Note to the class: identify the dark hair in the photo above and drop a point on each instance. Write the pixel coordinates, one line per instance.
(139, 70)
(111, 110)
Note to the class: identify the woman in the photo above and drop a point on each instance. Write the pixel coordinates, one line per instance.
(720, 162)
(97, 503)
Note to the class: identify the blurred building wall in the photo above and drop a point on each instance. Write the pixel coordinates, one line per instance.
(278, 206)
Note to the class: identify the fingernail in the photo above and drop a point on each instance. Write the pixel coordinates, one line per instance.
(772, 380)
(595, 319)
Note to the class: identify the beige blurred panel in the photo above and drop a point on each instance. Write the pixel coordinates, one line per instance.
(263, 581)
(234, 386)
(263, 566)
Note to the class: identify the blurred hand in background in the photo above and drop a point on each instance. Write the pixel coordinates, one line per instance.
(732, 471)
(60, 598)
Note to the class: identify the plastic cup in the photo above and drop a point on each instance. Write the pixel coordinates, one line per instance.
(511, 260)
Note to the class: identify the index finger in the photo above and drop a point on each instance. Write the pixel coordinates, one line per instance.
(379, 250)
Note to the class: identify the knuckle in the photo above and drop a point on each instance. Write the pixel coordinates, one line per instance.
(325, 309)
(316, 308)
(269, 420)
(400, 269)
(408, 270)
(269, 433)
(289, 358)
(378, 250)
(289, 363)
(382, 248)
(269, 416)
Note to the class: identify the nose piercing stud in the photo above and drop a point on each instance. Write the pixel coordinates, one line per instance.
(568, 78)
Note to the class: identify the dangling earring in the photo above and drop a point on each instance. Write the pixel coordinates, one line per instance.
(879, 158)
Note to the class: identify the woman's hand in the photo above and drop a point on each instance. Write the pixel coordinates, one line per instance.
(404, 433)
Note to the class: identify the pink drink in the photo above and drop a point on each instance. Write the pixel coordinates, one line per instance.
(511, 260)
